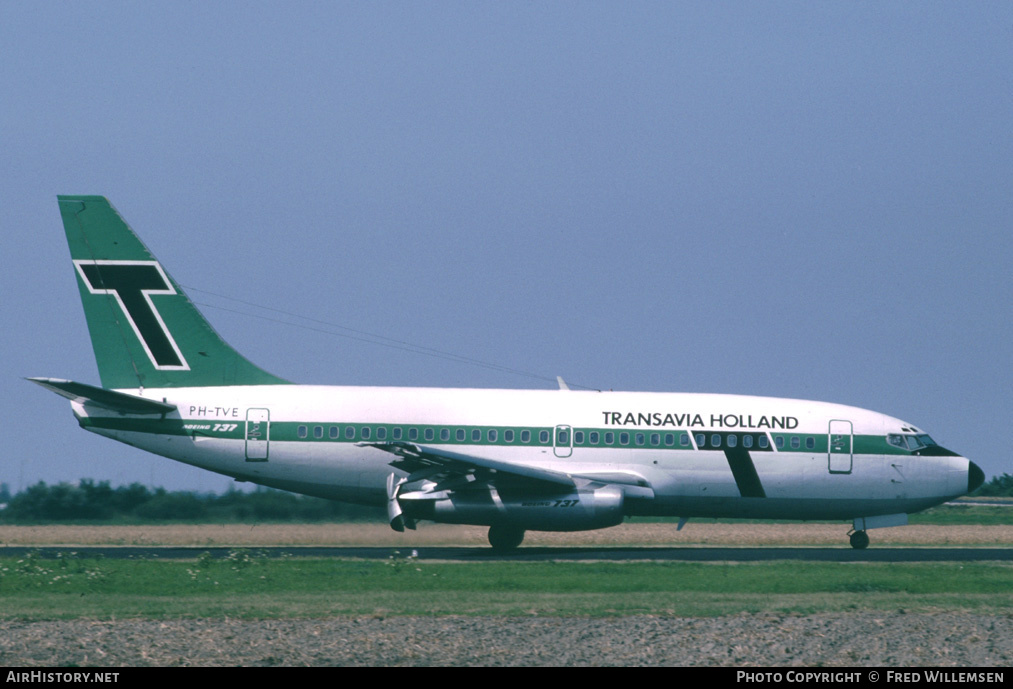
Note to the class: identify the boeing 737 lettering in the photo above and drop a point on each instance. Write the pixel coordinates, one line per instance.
(512, 460)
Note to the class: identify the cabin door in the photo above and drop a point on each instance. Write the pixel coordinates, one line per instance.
(258, 434)
(839, 447)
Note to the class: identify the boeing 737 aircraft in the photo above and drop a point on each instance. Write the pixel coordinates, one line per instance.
(512, 460)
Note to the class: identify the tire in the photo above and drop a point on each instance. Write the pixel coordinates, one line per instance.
(859, 540)
(505, 538)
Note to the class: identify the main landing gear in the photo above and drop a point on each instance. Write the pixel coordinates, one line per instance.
(505, 538)
(859, 540)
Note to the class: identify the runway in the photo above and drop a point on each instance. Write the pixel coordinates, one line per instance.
(544, 554)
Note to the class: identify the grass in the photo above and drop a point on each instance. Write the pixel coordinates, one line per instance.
(247, 585)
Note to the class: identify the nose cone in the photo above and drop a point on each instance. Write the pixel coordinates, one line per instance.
(975, 477)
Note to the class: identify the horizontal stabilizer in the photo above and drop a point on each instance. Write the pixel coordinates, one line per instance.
(100, 397)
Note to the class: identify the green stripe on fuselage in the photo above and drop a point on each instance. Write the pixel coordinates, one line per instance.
(292, 431)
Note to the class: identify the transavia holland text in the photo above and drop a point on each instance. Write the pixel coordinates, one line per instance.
(689, 420)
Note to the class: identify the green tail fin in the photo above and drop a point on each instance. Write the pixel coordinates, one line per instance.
(145, 331)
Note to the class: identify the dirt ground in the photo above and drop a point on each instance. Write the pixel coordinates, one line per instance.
(862, 639)
(440, 534)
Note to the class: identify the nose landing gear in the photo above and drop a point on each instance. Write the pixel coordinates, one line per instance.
(859, 540)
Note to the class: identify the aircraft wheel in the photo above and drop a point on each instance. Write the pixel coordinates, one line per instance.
(505, 538)
(859, 540)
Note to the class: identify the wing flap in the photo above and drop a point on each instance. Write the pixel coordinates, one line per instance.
(421, 462)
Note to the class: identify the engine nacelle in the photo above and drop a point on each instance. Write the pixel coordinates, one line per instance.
(576, 511)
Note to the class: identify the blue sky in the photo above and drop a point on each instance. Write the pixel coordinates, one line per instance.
(791, 199)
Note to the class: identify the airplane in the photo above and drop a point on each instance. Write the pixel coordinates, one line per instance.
(511, 460)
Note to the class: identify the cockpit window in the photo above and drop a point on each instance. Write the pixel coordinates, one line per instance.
(913, 443)
(910, 442)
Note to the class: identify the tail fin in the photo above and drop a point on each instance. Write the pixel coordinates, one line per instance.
(145, 331)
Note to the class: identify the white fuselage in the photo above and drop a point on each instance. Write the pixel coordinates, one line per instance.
(804, 460)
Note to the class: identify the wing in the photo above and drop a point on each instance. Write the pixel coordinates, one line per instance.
(441, 474)
(452, 470)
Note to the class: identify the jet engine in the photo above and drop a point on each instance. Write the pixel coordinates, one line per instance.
(581, 510)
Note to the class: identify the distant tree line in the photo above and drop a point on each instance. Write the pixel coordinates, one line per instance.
(999, 486)
(89, 501)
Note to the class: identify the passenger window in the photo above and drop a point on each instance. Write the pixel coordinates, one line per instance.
(492, 435)
(413, 434)
(779, 441)
(684, 439)
(670, 439)
(562, 438)
(397, 433)
(701, 440)
(318, 432)
(349, 432)
(365, 432)
(430, 434)
(578, 437)
(764, 443)
(733, 440)
(381, 433)
(655, 439)
(715, 440)
(810, 443)
(624, 438)
(476, 435)
(303, 431)
(543, 437)
(610, 438)
(444, 434)
(334, 432)
(747, 441)
(525, 436)
(640, 438)
(508, 436)
(593, 437)
(795, 443)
